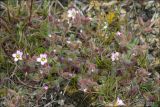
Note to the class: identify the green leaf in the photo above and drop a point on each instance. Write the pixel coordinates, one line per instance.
(3, 92)
(156, 104)
(133, 43)
(40, 50)
(104, 63)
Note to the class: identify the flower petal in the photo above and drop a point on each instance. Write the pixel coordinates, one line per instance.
(45, 87)
(45, 61)
(19, 52)
(120, 102)
(15, 59)
(117, 53)
(20, 58)
(113, 58)
(38, 59)
(14, 55)
(119, 33)
(42, 63)
(43, 55)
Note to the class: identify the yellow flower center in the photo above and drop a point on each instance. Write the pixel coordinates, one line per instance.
(17, 56)
(43, 59)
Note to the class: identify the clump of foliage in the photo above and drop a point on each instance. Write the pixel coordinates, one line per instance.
(79, 53)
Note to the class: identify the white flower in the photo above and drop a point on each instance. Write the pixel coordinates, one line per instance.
(91, 19)
(115, 56)
(81, 30)
(61, 102)
(49, 35)
(42, 59)
(78, 41)
(72, 13)
(41, 71)
(134, 54)
(68, 42)
(118, 33)
(54, 51)
(106, 25)
(119, 102)
(85, 90)
(70, 59)
(17, 56)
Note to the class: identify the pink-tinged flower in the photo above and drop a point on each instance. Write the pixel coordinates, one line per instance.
(118, 33)
(115, 56)
(72, 13)
(119, 102)
(45, 87)
(42, 59)
(17, 56)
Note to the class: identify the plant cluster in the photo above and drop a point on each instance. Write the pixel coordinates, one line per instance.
(79, 53)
